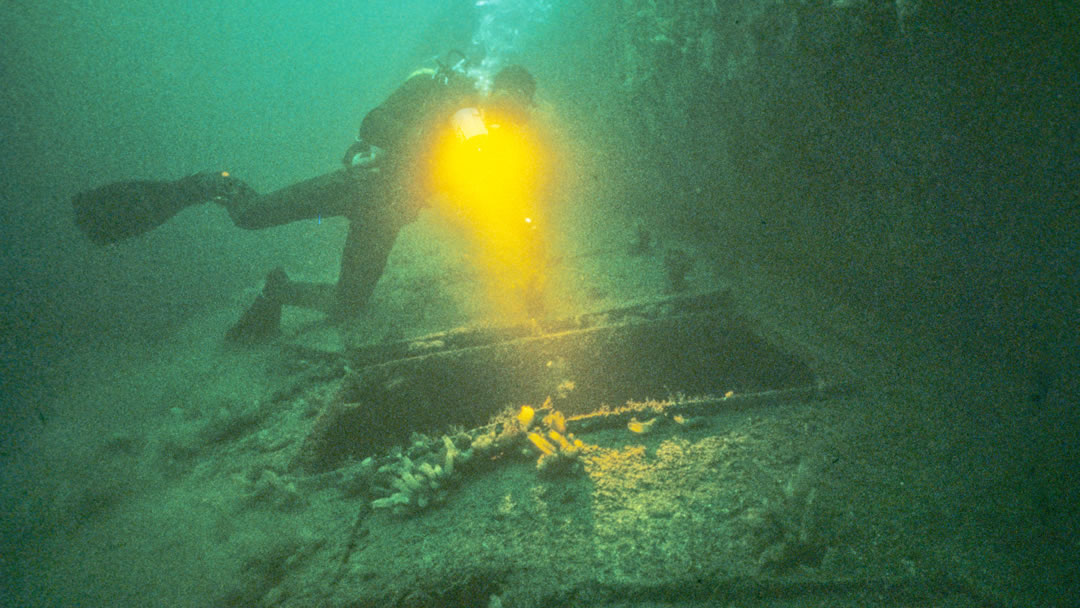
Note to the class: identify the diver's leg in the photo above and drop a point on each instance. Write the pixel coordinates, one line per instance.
(329, 195)
(367, 248)
(347, 192)
(333, 194)
(373, 228)
(125, 209)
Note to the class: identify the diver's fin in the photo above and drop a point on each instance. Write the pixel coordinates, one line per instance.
(262, 320)
(259, 323)
(121, 210)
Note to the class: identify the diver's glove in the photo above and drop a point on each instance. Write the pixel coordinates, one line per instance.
(361, 154)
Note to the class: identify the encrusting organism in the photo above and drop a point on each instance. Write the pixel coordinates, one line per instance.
(421, 484)
(560, 451)
(641, 427)
(423, 475)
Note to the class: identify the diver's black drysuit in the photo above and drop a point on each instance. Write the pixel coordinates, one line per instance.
(378, 199)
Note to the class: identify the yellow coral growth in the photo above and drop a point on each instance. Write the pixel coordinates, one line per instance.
(544, 445)
(559, 450)
(526, 416)
(555, 421)
(640, 427)
(564, 444)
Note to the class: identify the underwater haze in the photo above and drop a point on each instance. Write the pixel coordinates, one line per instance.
(788, 312)
(103, 91)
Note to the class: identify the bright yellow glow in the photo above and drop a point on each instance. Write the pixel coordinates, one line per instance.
(489, 179)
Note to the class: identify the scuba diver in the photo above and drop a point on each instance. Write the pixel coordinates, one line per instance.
(387, 178)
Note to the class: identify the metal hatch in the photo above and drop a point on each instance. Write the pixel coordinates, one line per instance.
(688, 346)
